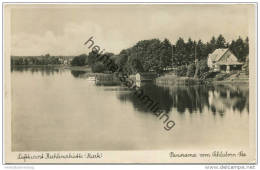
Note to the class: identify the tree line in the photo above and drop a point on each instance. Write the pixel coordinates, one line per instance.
(158, 56)
(40, 60)
(154, 55)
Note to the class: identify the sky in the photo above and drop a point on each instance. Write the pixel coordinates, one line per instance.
(63, 29)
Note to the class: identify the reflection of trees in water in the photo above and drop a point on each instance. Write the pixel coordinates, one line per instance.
(43, 70)
(76, 73)
(217, 98)
(193, 98)
(157, 94)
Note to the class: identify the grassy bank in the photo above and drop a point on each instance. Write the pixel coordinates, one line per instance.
(220, 78)
(172, 79)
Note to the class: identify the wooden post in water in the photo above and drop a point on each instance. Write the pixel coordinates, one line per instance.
(172, 56)
(196, 64)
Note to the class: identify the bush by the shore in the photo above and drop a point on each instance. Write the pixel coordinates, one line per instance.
(98, 67)
(189, 70)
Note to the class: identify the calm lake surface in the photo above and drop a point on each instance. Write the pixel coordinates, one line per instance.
(56, 110)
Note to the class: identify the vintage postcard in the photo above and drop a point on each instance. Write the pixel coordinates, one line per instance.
(130, 83)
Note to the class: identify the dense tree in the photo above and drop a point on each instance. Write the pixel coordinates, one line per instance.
(190, 50)
(180, 52)
(212, 45)
(98, 67)
(240, 48)
(166, 54)
(221, 42)
(122, 58)
(80, 60)
(92, 58)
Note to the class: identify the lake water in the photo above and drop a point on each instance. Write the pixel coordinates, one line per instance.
(56, 110)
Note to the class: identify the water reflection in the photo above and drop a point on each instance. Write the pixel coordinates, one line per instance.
(217, 99)
(64, 106)
(158, 94)
(232, 97)
(77, 74)
(44, 70)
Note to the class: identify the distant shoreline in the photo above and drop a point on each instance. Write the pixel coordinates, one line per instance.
(75, 68)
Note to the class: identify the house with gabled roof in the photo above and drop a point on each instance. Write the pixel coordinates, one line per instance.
(223, 59)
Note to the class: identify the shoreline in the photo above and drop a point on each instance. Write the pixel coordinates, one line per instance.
(170, 80)
(189, 81)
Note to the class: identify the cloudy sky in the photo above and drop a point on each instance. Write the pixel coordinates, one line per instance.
(63, 29)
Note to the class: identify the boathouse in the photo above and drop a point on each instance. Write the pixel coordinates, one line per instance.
(223, 60)
(145, 76)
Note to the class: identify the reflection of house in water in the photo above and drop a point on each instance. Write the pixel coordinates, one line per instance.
(141, 78)
(216, 103)
(218, 98)
(223, 60)
(228, 97)
(192, 99)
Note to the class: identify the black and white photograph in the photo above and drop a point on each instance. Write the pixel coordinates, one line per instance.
(129, 83)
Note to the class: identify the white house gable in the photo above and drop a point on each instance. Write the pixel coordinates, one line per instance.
(223, 59)
(210, 64)
(228, 58)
